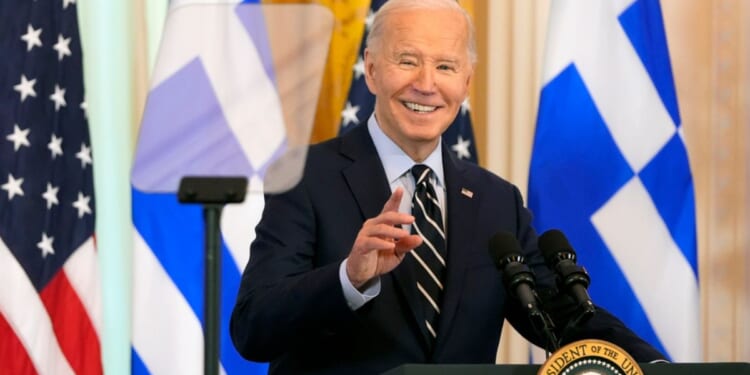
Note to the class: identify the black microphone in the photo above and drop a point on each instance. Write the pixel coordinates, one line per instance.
(517, 277)
(520, 281)
(560, 256)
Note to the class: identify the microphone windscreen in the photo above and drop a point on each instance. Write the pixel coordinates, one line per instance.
(552, 243)
(502, 246)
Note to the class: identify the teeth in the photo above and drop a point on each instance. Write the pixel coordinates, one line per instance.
(419, 107)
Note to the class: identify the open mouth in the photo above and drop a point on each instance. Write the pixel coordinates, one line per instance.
(419, 108)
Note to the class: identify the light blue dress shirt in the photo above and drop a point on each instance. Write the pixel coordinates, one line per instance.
(397, 165)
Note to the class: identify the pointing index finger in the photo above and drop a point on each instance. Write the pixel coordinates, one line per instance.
(394, 201)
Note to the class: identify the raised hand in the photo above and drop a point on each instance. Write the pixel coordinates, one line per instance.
(381, 244)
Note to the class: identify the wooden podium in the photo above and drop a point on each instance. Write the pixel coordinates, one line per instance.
(738, 368)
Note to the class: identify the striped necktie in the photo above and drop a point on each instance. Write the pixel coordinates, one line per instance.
(429, 265)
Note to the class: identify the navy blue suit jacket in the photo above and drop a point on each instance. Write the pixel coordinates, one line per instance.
(291, 310)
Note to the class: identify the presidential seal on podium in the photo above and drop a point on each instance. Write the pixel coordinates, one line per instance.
(590, 357)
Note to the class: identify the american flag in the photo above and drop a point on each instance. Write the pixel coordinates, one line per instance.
(49, 300)
(359, 105)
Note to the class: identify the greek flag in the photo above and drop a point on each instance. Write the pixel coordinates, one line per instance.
(610, 167)
(233, 93)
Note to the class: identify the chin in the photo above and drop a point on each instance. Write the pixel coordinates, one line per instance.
(426, 137)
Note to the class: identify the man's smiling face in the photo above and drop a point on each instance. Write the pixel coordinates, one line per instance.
(419, 71)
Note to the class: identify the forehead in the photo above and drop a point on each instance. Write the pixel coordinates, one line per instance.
(427, 31)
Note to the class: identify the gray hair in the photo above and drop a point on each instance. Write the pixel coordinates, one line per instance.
(392, 6)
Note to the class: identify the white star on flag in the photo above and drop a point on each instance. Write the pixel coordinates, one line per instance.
(462, 148)
(369, 19)
(82, 204)
(84, 155)
(465, 106)
(32, 37)
(55, 146)
(25, 88)
(349, 114)
(58, 97)
(62, 47)
(46, 245)
(85, 108)
(359, 68)
(19, 137)
(13, 186)
(51, 195)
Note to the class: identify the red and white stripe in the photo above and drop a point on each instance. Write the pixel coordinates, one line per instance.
(55, 331)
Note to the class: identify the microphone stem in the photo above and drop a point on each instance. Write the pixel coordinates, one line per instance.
(543, 324)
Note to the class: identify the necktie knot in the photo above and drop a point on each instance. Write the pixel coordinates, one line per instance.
(421, 173)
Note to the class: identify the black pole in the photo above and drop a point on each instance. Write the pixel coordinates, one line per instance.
(213, 193)
(211, 216)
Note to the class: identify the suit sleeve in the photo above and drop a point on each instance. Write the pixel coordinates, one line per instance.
(284, 300)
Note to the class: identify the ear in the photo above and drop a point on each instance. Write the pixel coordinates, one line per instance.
(468, 77)
(370, 71)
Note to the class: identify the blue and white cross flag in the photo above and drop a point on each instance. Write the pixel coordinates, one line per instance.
(233, 92)
(610, 167)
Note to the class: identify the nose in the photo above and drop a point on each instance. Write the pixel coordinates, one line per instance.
(424, 82)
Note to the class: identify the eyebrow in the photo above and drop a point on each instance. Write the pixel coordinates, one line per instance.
(405, 53)
(440, 59)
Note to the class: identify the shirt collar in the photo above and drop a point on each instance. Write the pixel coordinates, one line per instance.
(395, 161)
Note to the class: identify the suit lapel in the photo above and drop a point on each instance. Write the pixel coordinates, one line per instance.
(365, 176)
(462, 204)
(369, 185)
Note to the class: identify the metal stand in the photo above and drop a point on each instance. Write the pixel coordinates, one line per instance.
(213, 193)
(211, 217)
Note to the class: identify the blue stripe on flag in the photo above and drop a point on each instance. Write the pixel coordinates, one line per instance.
(572, 140)
(137, 367)
(175, 234)
(668, 180)
(642, 23)
(184, 132)
(609, 287)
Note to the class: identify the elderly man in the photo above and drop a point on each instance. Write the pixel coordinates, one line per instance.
(379, 256)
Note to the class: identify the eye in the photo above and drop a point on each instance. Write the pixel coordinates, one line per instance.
(446, 67)
(407, 63)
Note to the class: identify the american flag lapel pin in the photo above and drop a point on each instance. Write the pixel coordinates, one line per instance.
(467, 192)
